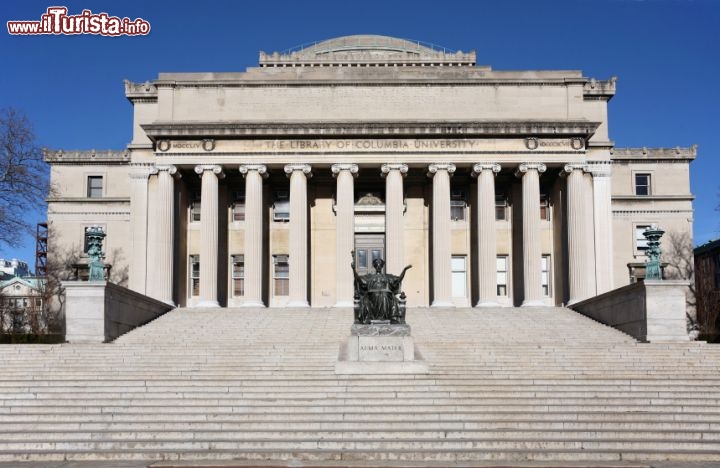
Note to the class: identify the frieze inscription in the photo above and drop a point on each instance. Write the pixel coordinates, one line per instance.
(361, 145)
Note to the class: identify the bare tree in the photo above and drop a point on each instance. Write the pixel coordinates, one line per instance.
(23, 176)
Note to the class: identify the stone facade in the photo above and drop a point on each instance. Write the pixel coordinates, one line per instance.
(500, 188)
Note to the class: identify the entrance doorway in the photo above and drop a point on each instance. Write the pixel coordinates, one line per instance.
(368, 247)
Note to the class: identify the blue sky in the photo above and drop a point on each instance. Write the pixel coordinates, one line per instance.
(666, 55)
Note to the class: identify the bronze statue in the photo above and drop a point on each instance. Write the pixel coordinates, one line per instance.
(378, 295)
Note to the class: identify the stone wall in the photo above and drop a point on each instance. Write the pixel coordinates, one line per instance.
(648, 311)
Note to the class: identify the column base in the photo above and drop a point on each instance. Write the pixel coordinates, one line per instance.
(298, 304)
(344, 304)
(170, 303)
(252, 303)
(488, 304)
(440, 303)
(208, 304)
(533, 303)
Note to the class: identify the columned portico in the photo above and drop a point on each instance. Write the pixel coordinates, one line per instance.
(441, 242)
(530, 173)
(486, 231)
(209, 234)
(394, 211)
(298, 174)
(253, 259)
(344, 231)
(161, 234)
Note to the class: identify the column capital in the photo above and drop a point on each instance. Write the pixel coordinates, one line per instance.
(260, 168)
(575, 167)
(386, 168)
(172, 170)
(600, 168)
(433, 168)
(524, 167)
(216, 169)
(305, 168)
(336, 168)
(479, 167)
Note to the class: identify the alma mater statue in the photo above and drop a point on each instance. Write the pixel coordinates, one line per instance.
(378, 295)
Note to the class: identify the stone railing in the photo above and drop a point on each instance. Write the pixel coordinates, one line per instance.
(650, 310)
(98, 311)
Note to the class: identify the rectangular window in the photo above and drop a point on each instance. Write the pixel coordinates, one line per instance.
(545, 274)
(194, 275)
(642, 184)
(544, 207)
(238, 275)
(459, 276)
(281, 206)
(195, 207)
(282, 276)
(640, 241)
(500, 207)
(95, 186)
(716, 260)
(501, 262)
(457, 205)
(362, 258)
(238, 207)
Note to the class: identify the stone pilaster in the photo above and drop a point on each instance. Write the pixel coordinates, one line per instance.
(487, 235)
(394, 208)
(578, 236)
(161, 235)
(532, 252)
(602, 201)
(298, 174)
(209, 234)
(139, 175)
(344, 232)
(441, 241)
(254, 174)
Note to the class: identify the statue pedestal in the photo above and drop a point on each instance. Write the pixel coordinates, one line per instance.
(380, 348)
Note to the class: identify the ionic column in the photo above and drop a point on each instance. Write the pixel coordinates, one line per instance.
(298, 174)
(441, 241)
(487, 235)
(344, 232)
(602, 211)
(139, 223)
(394, 207)
(254, 174)
(532, 252)
(209, 234)
(589, 219)
(161, 236)
(578, 235)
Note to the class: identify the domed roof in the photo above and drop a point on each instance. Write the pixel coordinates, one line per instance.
(367, 50)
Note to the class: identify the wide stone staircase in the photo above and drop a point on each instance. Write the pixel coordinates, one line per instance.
(505, 385)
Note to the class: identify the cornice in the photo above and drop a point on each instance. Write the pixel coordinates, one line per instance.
(440, 128)
(88, 200)
(87, 156)
(644, 153)
(636, 198)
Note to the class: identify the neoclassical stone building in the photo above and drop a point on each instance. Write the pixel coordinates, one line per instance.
(252, 188)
